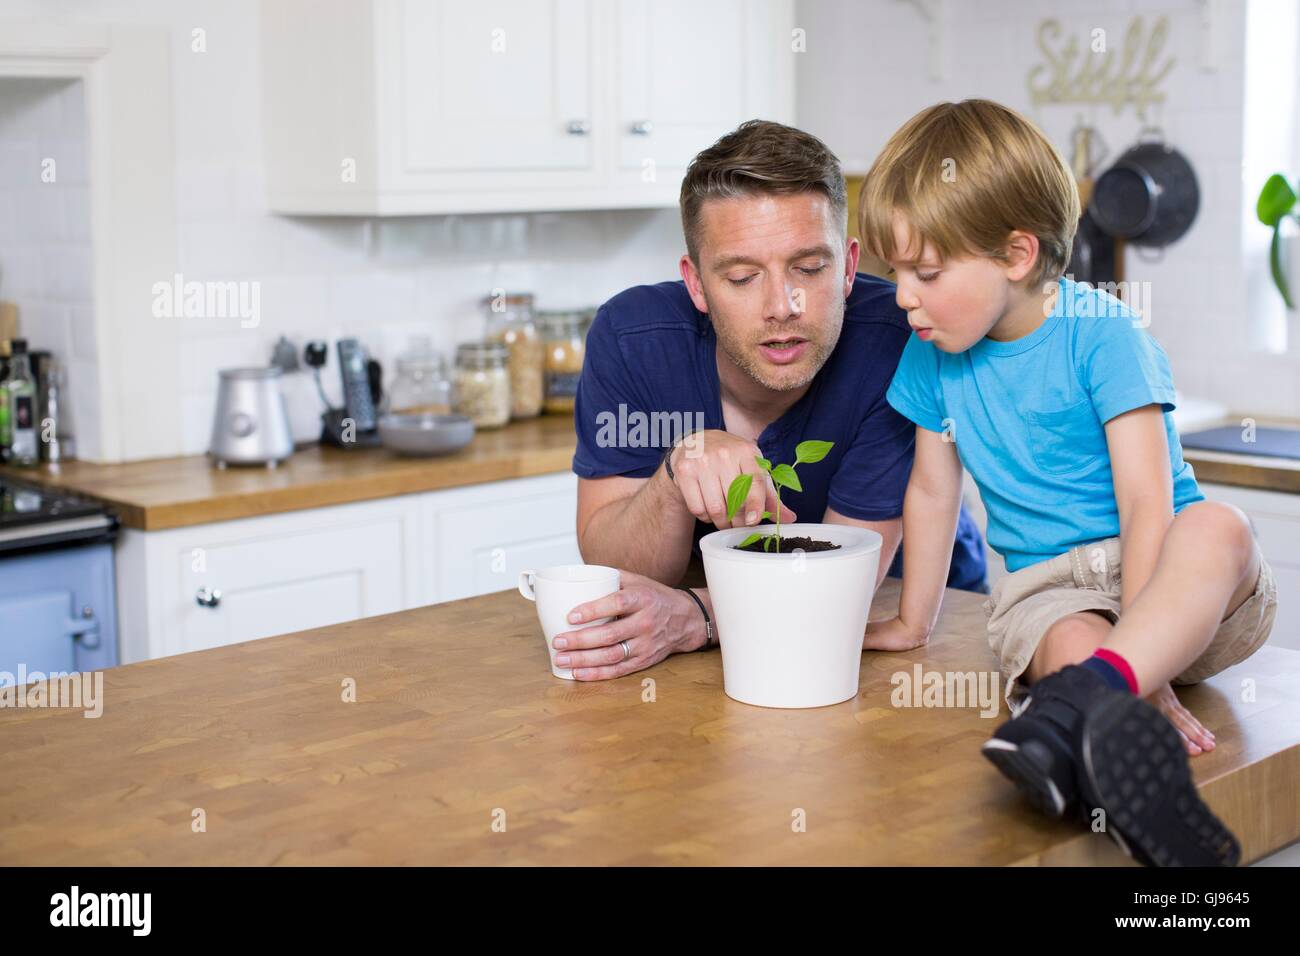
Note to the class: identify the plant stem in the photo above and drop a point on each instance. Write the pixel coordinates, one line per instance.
(778, 518)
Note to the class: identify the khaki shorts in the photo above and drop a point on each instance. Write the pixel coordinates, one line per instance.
(1025, 603)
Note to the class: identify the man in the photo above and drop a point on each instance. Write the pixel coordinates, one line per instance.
(770, 339)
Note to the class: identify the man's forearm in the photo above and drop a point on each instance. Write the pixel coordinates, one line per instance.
(649, 533)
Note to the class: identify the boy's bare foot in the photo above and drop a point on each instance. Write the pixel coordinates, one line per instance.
(1195, 736)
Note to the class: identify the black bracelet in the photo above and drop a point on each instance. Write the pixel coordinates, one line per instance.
(668, 463)
(708, 621)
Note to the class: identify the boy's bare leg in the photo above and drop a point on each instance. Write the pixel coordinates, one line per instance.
(1208, 567)
(1075, 637)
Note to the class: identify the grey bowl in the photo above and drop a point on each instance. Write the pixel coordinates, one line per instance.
(425, 434)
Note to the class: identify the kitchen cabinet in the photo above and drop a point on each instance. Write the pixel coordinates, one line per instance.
(486, 534)
(209, 585)
(1276, 517)
(406, 107)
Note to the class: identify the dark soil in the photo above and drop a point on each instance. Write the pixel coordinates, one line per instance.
(790, 544)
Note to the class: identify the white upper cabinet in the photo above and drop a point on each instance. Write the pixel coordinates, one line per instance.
(403, 107)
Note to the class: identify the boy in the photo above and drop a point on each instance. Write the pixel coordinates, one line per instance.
(1123, 578)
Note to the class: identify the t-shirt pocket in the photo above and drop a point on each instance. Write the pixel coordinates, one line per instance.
(1066, 440)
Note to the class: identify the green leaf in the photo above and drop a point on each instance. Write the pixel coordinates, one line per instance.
(1275, 266)
(769, 516)
(748, 541)
(764, 464)
(807, 452)
(767, 542)
(737, 493)
(784, 476)
(1276, 199)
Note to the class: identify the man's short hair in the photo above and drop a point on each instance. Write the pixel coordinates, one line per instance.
(760, 157)
(964, 176)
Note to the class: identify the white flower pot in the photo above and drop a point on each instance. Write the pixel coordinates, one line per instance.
(791, 625)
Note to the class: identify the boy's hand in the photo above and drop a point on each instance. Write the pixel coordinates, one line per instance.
(1195, 736)
(892, 635)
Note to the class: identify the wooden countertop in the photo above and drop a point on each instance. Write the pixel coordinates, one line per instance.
(177, 492)
(458, 718)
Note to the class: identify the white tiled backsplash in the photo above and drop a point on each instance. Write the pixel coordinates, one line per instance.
(45, 249)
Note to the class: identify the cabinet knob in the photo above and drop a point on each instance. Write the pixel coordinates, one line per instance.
(578, 127)
(208, 597)
(642, 128)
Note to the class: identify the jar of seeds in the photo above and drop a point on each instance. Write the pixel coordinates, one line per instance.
(510, 323)
(483, 383)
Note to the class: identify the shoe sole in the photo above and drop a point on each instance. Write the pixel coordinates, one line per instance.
(1134, 766)
(1027, 769)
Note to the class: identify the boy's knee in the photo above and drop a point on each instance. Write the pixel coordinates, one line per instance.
(1224, 524)
(1074, 638)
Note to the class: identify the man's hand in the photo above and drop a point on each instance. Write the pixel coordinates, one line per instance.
(654, 619)
(1196, 738)
(705, 464)
(892, 635)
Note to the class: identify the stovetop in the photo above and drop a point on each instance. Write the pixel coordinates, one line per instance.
(33, 518)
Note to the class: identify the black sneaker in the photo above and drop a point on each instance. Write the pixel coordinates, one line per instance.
(1037, 748)
(1133, 764)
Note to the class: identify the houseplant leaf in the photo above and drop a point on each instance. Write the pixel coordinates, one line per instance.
(1276, 199)
(784, 476)
(750, 540)
(1275, 266)
(807, 452)
(737, 494)
(764, 464)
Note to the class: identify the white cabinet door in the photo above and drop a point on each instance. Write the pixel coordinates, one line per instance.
(484, 536)
(681, 78)
(210, 585)
(1276, 517)
(496, 85)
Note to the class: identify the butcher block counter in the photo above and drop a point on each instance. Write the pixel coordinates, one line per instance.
(180, 492)
(461, 748)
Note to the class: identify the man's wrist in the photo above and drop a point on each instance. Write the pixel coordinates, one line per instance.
(701, 634)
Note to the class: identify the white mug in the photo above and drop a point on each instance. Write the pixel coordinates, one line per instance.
(558, 590)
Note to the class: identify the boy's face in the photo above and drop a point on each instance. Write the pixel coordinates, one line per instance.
(950, 302)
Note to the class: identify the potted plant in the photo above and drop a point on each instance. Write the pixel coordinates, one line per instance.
(791, 606)
(1276, 204)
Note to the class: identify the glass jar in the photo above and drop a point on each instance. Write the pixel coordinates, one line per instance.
(421, 386)
(483, 383)
(510, 323)
(566, 347)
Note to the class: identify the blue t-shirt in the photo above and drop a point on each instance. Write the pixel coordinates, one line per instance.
(651, 374)
(1027, 417)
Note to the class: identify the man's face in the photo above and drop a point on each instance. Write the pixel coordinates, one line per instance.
(773, 275)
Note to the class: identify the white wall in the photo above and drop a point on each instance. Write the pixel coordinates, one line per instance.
(45, 248)
(867, 70)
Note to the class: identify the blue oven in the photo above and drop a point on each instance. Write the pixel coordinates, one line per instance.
(58, 611)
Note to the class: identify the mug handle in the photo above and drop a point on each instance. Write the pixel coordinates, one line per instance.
(526, 584)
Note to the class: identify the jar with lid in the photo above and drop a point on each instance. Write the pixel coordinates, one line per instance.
(565, 342)
(510, 323)
(421, 386)
(483, 383)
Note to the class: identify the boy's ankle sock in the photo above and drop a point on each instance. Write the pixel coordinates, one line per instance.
(1113, 669)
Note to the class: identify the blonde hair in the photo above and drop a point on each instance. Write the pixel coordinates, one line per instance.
(964, 176)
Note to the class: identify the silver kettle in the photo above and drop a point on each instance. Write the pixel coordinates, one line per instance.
(251, 426)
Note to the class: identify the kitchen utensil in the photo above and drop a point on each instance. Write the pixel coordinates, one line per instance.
(425, 434)
(1150, 197)
(558, 590)
(251, 426)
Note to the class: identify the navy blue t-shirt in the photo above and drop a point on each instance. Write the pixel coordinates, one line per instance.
(651, 373)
